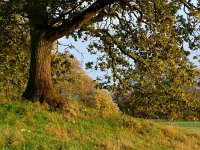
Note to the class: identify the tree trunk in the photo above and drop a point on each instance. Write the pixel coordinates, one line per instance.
(43, 35)
(40, 87)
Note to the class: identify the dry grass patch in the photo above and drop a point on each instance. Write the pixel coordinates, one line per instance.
(59, 132)
(11, 137)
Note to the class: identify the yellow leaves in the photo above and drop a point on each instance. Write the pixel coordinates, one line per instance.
(82, 88)
(160, 66)
(103, 101)
(196, 13)
(172, 63)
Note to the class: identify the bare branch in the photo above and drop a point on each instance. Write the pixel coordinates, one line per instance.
(60, 18)
(69, 27)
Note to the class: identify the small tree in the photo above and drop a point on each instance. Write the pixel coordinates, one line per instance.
(70, 79)
(73, 83)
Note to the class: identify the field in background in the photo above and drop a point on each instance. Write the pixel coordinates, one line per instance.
(182, 124)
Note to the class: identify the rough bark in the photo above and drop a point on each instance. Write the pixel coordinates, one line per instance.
(40, 86)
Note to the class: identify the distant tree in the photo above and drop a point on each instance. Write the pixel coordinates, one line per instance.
(119, 25)
(69, 79)
(73, 83)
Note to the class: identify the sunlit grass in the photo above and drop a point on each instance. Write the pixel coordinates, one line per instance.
(24, 125)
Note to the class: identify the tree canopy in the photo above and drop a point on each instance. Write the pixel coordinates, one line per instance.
(144, 44)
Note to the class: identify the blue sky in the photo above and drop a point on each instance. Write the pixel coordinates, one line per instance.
(81, 53)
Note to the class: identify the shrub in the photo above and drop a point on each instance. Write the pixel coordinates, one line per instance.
(102, 100)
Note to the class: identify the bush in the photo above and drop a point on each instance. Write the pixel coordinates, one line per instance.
(183, 106)
(102, 100)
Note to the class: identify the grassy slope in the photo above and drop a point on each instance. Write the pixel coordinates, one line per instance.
(24, 125)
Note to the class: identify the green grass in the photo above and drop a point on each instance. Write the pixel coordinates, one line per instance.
(183, 124)
(24, 125)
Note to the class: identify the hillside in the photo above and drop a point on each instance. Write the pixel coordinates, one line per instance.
(25, 125)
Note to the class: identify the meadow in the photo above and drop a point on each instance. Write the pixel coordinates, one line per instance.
(32, 126)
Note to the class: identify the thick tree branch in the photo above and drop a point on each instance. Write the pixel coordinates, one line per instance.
(77, 22)
(61, 16)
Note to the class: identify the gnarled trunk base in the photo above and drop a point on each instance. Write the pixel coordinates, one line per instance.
(45, 95)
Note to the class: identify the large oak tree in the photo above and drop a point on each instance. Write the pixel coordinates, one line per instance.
(49, 21)
(119, 25)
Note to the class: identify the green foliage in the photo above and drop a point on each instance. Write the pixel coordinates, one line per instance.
(162, 106)
(168, 95)
(161, 88)
(148, 58)
(61, 66)
(14, 54)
